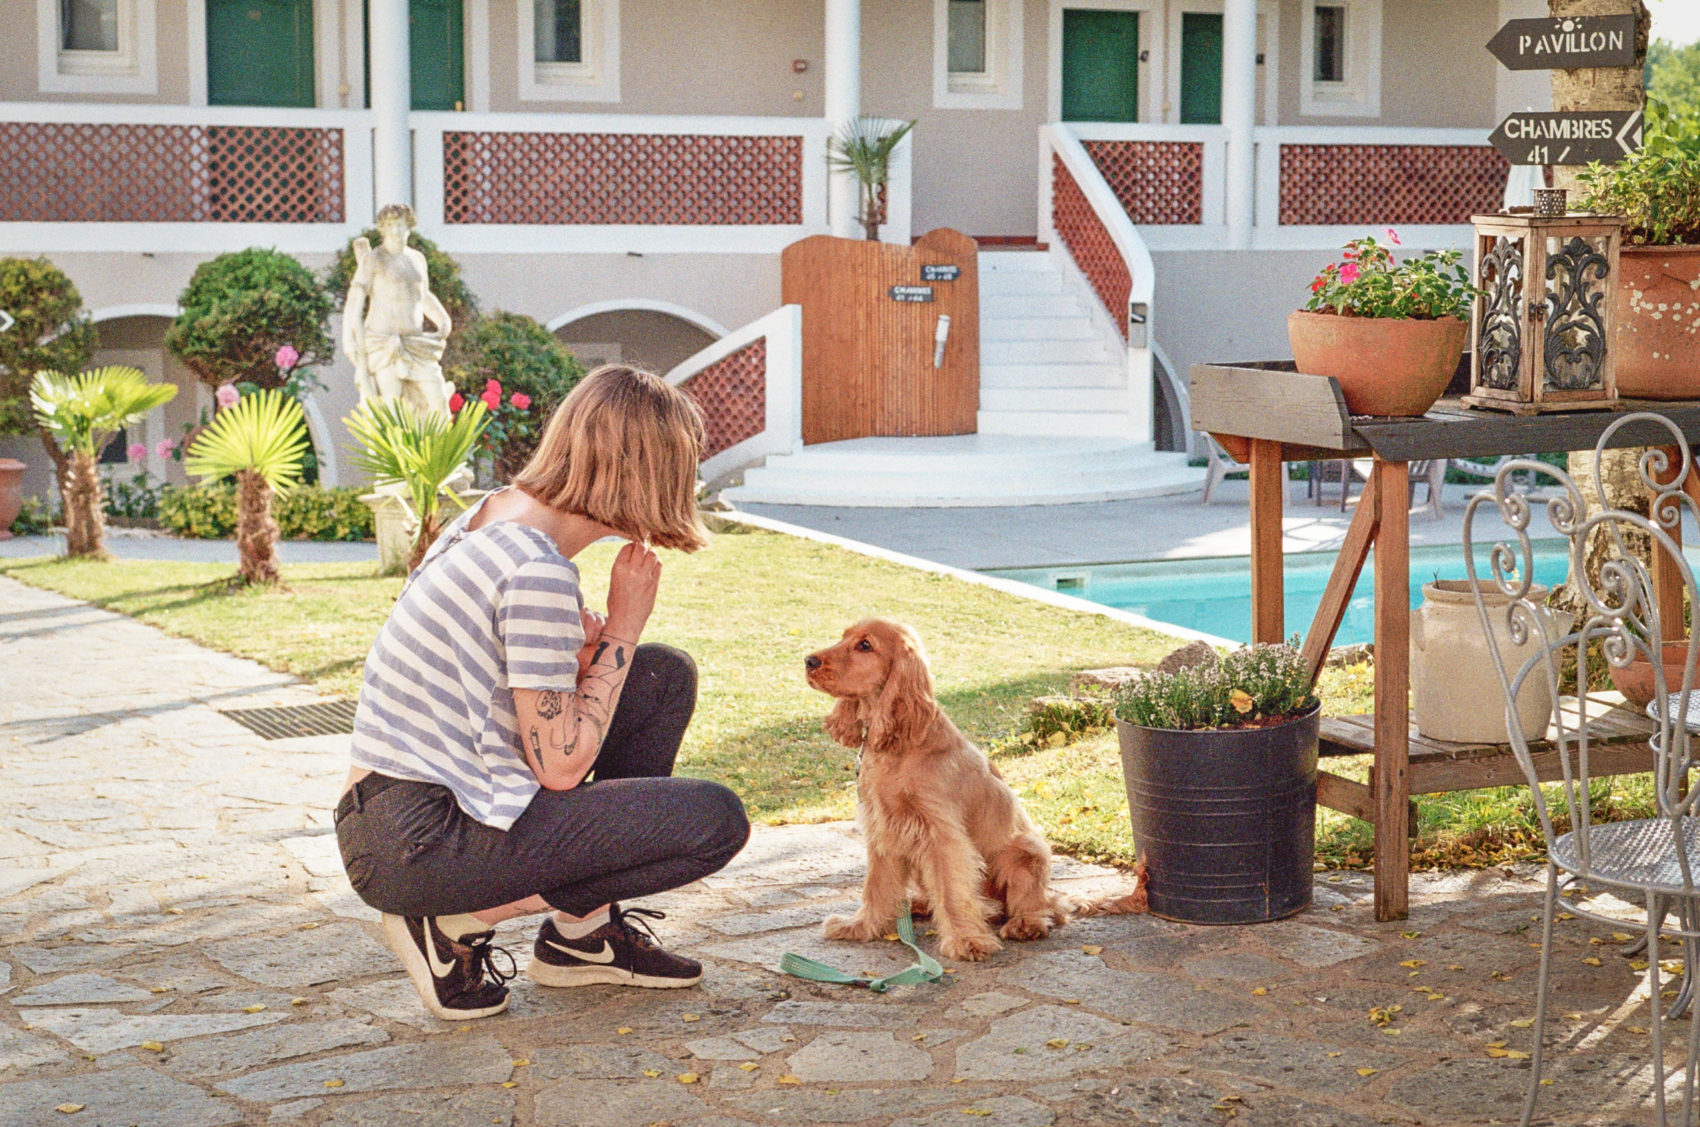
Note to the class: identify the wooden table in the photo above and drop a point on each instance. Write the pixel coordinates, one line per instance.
(1266, 414)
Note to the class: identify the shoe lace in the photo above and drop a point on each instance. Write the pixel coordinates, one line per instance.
(622, 919)
(481, 959)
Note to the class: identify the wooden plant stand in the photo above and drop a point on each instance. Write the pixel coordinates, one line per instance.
(1266, 414)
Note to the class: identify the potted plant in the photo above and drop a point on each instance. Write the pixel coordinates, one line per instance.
(863, 148)
(1220, 765)
(1656, 301)
(1390, 332)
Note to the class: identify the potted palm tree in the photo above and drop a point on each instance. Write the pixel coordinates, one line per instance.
(261, 439)
(863, 147)
(1220, 765)
(413, 457)
(80, 414)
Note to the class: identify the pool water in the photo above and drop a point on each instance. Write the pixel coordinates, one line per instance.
(1214, 595)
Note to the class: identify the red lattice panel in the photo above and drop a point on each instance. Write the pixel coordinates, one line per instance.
(1345, 184)
(1090, 244)
(1156, 181)
(621, 178)
(732, 393)
(99, 173)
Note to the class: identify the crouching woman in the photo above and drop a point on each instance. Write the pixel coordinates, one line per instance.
(513, 752)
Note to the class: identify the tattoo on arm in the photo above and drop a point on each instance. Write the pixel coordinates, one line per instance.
(619, 655)
(549, 704)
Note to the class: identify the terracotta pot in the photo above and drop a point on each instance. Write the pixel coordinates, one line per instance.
(1454, 685)
(1635, 681)
(1385, 365)
(1656, 322)
(11, 494)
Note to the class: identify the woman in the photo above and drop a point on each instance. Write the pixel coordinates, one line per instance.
(491, 696)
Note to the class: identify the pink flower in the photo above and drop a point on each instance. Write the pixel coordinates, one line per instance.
(227, 395)
(1349, 273)
(165, 447)
(456, 402)
(286, 358)
(1393, 237)
(492, 387)
(138, 451)
(521, 400)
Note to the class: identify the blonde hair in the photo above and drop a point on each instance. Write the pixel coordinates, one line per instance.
(622, 449)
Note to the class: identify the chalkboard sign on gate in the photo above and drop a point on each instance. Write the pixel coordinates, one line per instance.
(911, 293)
(940, 272)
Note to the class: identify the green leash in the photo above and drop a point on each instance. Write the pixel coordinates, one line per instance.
(925, 968)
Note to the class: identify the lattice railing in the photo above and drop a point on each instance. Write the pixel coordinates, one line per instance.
(70, 172)
(1405, 184)
(1090, 244)
(732, 394)
(1159, 182)
(621, 178)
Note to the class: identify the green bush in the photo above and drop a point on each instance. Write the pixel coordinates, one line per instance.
(506, 354)
(34, 518)
(208, 512)
(240, 308)
(1657, 187)
(1255, 683)
(53, 331)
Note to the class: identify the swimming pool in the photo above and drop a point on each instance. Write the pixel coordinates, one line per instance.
(1214, 595)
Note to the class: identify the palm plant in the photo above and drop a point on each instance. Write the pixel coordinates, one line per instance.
(419, 452)
(863, 147)
(81, 413)
(262, 440)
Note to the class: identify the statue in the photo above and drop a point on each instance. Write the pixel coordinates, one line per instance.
(395, 356)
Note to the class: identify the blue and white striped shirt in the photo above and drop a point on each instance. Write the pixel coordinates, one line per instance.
(488, 611)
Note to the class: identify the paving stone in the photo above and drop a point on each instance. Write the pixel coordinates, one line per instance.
(1292, 1062)
(1461, 1090)
(766, 949)
(765, 1039)
(1015, 1047)
(599, 1062)
(845, 1015)
(422, 1109)
(180, 974)
(112, 1099)
(809, 914)
(19, 1051)
(1173, 945)
(467, 1059)
(101, 1031)
(392, 998)
(211, 1056)
(991, 1003)
(617, 1103)
(81, 990)
(332, 953)
(317, 853)
(1311, 946)
(293, 1109)
(845, 1056)
(1155, 999)
(721, 1048)
(795, 855)
(850, 1105)
(998, 1111)
(1238, 966)
(71, 956)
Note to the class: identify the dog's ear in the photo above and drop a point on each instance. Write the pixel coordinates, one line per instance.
(905, 707)
(841, 723)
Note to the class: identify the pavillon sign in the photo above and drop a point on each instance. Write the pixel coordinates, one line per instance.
(1563, 44)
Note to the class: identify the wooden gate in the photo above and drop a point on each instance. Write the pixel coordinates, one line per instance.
(870, 323)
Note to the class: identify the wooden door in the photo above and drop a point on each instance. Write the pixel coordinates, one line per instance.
(260, 53)
(438, 44)
(1100, 65)
(1201, 68)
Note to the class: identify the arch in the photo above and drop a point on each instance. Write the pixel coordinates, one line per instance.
(140, 309)
(622, 305)
(1173, 402)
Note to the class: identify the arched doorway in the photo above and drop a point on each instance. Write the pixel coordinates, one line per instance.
(644, 334)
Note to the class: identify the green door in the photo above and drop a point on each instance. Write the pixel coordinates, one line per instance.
(1100, 65)
(1201, 68)
(439, 54)
(260, 52)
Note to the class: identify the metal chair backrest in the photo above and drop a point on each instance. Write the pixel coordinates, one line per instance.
(1619, 618)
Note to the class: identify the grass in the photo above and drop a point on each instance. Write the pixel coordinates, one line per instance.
(749, 608)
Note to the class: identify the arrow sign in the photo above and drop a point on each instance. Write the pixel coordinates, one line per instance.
(6, 321)
(1571, 137)
(1561, 44)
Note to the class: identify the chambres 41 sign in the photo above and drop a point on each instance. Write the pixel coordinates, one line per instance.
(1567, 137)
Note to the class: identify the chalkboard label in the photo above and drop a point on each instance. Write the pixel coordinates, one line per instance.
(912, 293)
(940, 273)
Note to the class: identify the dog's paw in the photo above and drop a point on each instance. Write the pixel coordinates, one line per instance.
(1027, 927)
(919, 908)
(855, 929)
(970, 948)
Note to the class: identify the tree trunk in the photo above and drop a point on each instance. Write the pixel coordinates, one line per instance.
(1601, 88)
(429, 527)
(256, 531)
(61, 470)
(84, 522)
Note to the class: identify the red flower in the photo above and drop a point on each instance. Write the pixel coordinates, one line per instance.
(1319, 283)
(456, 402)
(491, 387)
(521, 400)
(492, 400)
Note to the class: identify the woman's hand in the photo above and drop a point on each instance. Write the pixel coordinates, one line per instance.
(592, 624)
(632, 584)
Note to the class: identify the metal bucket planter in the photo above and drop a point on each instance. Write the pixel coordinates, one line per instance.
(1224, 820)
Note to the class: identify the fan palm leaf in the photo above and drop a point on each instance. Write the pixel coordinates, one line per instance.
(419, 452)
(83, 412)
(264, 432)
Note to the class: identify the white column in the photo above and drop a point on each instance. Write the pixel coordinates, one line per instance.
(392, 99)
(843, 81)
(1239, 114)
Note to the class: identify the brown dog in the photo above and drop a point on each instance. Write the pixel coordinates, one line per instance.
(935, 813)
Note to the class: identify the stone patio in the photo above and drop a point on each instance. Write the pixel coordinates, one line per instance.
(178, 946)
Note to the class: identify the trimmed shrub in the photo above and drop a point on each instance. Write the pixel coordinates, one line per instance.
(509, 354)
(308, 513)
(239, 309)
(53, 331)
(442, 274)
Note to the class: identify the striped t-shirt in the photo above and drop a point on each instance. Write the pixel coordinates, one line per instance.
(489, 610)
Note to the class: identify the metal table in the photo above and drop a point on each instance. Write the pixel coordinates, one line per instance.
(1266, 414)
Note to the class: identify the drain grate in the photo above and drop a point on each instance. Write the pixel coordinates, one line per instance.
(333, 718)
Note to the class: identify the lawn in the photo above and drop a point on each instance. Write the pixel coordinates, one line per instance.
(748, 609)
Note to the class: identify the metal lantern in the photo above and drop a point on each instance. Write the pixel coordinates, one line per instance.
(1541, 326)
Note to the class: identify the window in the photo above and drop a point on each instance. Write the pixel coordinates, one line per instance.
(569, 50)
(96, 46)
(977, 54)
(1341, 65)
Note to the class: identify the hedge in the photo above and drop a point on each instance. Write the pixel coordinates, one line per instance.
(310, 512)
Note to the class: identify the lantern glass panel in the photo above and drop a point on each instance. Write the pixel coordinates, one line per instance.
(1577, 288)
(1500, 341)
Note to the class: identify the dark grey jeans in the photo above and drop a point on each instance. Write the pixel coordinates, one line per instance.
(629, 830)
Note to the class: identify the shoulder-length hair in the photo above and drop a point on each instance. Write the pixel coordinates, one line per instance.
(623, 449)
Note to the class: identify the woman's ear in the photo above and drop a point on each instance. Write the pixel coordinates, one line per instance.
(841, 723)
(905, 708)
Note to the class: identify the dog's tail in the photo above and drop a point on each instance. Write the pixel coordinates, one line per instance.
(1131, 903)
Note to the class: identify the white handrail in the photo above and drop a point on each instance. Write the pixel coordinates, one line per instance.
(135, 113)
(782, 432)
(1060, 140)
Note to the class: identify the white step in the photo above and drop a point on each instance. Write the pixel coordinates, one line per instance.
(1028, 305)
(1089, 423)
(1018, 454)
(1047, 352)
(1036, 328)
(1056, 376)
(1021, 282)
(1054, 400)
(1016, 261)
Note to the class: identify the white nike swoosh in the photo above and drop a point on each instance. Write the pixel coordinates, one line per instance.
(606, 955)
(440, 969)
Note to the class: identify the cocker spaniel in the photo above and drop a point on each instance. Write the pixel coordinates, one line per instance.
(935, 813)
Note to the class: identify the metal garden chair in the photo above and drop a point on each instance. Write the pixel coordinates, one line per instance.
(1649, 861)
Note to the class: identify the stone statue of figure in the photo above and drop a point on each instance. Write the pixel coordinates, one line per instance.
(395, 356)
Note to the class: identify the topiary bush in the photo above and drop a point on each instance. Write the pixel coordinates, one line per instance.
(53, 332)
(309, 512)
(241, 309)
(521, 372)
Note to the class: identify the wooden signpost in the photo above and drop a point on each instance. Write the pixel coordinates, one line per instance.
(1567, 43)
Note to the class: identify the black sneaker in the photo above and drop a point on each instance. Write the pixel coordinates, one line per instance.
(456, 979)
(616, 952)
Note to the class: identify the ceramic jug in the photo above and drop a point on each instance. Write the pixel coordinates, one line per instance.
(1455, 690)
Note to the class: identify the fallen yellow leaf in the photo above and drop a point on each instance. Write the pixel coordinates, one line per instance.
(253, 1009)
(522, 1062)
(1497, 1053)
(652, 1073)
(1516, 1054)
(1592, 960)
(510, 1083)
(788, 1079)
(1260, 991)
(1092, 949)
(975, 1111)
(1547, 1083)
(688, 1078)
(1242, 701)
(160, 990)
(1058, 1042)
(1414, 963)
(623, 1030)
(333, 1083)
(1621, 936)
(1334, 1054)
(690, 1017)
(749, 1066)
(298, 1001)
(69, 1109)
(1368, 1071)
(153, 1046)
(1411, 934)
(1071, 1001)
(1522, 1023)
